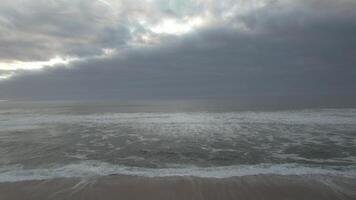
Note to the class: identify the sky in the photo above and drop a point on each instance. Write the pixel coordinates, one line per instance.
(122, 49)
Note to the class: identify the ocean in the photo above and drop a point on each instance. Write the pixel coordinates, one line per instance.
(157, 139)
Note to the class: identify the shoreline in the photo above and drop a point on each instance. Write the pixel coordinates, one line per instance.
(252, 187)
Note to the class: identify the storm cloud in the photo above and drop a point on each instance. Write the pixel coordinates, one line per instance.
(124, 49)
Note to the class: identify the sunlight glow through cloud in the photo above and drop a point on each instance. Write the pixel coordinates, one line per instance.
(6, 76)
(33, 65)
(172, 26)
(105, 3)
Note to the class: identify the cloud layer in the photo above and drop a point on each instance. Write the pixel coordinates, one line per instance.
(203, 49)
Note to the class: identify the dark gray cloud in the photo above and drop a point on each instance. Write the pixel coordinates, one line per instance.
(40, 30)
(290, 48)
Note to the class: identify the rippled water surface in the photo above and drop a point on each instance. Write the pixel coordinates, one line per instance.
(68, 138)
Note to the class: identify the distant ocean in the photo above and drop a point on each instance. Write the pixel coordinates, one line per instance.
(55, 140)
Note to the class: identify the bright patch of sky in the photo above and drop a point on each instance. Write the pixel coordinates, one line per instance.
(172, 26)
(33, 65)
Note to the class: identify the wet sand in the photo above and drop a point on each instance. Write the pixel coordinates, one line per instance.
(266, 187)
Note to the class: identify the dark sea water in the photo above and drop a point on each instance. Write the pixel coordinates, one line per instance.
(42, 140)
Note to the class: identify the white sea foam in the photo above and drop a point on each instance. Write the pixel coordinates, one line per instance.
(87, 169)
(18, 120)
(146, 127)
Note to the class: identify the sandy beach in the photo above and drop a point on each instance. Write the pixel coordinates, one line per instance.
(267, 187)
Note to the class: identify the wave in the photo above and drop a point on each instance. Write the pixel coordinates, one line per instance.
(87, 169)
(16, 120)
